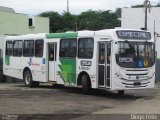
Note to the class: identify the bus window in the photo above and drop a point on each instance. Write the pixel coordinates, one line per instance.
(28, 48)
(101, 53)
(52, 52)
(39, 44)
(17, 48)
(68, 48)
(85, 48)
(8, 48)
(108, 53)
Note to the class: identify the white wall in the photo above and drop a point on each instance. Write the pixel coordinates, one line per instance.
(134, 18)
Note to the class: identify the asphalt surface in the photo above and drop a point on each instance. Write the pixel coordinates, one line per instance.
(59, 103)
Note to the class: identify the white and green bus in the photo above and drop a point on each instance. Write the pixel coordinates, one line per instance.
(108, 59)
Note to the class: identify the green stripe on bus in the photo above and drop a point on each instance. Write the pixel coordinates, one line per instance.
(7, 60)
(62, 35)
(68, 70)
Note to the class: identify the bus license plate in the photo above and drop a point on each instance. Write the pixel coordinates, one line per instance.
(137, 83)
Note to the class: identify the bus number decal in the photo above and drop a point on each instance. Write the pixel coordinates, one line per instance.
(84, 68)
(86, 63)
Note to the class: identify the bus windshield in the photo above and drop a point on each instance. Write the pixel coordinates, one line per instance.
(135, 54)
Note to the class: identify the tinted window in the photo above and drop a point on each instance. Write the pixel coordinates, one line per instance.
(135, 54)
(85, 47)
(30, 21)
(28, 48)
(39, 44)
(68, 48)
(17, 48)
(9, 48)
(52, 52)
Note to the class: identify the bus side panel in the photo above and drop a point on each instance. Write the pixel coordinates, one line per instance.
(15, 66)
(38, 69)
(67, 71)
(58, 79)
(35, 65)
(91, 66)
(12, 68)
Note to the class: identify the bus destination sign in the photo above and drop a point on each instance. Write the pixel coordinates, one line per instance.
(127, 34)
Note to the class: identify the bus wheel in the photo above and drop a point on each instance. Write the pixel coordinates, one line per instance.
(86, 85)
(120, 92)
(28, 80)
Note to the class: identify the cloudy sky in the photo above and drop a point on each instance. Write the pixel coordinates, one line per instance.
(33, 7)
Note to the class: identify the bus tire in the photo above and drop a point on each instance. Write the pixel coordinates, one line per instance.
(27, 77)
(86, 84)
(120, 92)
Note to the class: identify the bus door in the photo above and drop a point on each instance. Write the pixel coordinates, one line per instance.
(52, 49)
(104, 54)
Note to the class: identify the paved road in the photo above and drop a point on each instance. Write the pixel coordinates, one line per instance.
(47, 102)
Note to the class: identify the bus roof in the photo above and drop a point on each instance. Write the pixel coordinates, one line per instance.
(27, 36)
(62, 35)
(71, 34)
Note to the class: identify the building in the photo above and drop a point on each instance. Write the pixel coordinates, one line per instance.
(16, 23)
(134, 18)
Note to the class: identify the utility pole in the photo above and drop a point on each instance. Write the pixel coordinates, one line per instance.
(67, 6)
(146, 5)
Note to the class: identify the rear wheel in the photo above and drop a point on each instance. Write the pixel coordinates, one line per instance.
(27, 77)
(86, 84)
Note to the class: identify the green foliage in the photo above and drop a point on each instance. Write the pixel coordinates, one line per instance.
(89, 20)
(55, 20)
(118, 12)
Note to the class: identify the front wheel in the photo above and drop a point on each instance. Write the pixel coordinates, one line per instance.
(86, 84)
(27, 77)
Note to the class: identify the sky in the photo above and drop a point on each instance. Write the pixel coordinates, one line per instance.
(34, 7)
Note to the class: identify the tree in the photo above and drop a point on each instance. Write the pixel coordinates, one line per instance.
(89, 20)
(55, 20)
(118, 12)
(68, 22)
(95, 20)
